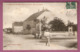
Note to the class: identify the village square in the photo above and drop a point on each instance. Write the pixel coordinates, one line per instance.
(41, 29)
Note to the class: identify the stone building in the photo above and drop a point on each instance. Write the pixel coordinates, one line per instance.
(29, 25)
(17, 27)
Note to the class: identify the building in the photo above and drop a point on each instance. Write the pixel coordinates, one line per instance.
(30, 24)
(17, 27)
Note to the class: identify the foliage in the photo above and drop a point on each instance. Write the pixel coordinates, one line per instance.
(57, 24)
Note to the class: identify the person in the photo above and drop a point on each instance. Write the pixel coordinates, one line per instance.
(47, 35)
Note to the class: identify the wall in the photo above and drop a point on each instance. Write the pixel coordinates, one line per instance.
(18, 29)
(32, 25)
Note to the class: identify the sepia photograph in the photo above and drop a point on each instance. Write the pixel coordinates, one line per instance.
(40, 26)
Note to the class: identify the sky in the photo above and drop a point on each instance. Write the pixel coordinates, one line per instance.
(20, 11)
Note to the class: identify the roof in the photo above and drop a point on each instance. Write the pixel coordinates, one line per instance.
(18, 23)
(35, 15)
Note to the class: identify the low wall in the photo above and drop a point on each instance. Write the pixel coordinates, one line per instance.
(64, 34)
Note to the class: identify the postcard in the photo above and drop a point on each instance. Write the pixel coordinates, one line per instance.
(40, 26)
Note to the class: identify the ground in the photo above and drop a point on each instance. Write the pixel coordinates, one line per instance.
(28, 42)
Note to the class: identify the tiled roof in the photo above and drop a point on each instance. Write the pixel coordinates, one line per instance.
(35, 15)
(18, 23)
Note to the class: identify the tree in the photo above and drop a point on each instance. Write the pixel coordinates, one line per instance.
(75, 27)
(57, 24)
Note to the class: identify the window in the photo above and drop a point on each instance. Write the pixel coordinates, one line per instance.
(28, 27)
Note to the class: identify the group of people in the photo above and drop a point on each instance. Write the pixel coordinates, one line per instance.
(45, 33)
(43, 30)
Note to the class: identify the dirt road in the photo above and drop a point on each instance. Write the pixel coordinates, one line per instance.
(28, 42)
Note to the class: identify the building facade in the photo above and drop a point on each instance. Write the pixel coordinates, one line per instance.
(30, 25)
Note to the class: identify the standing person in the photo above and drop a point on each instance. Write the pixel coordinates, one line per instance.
(47, 35)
